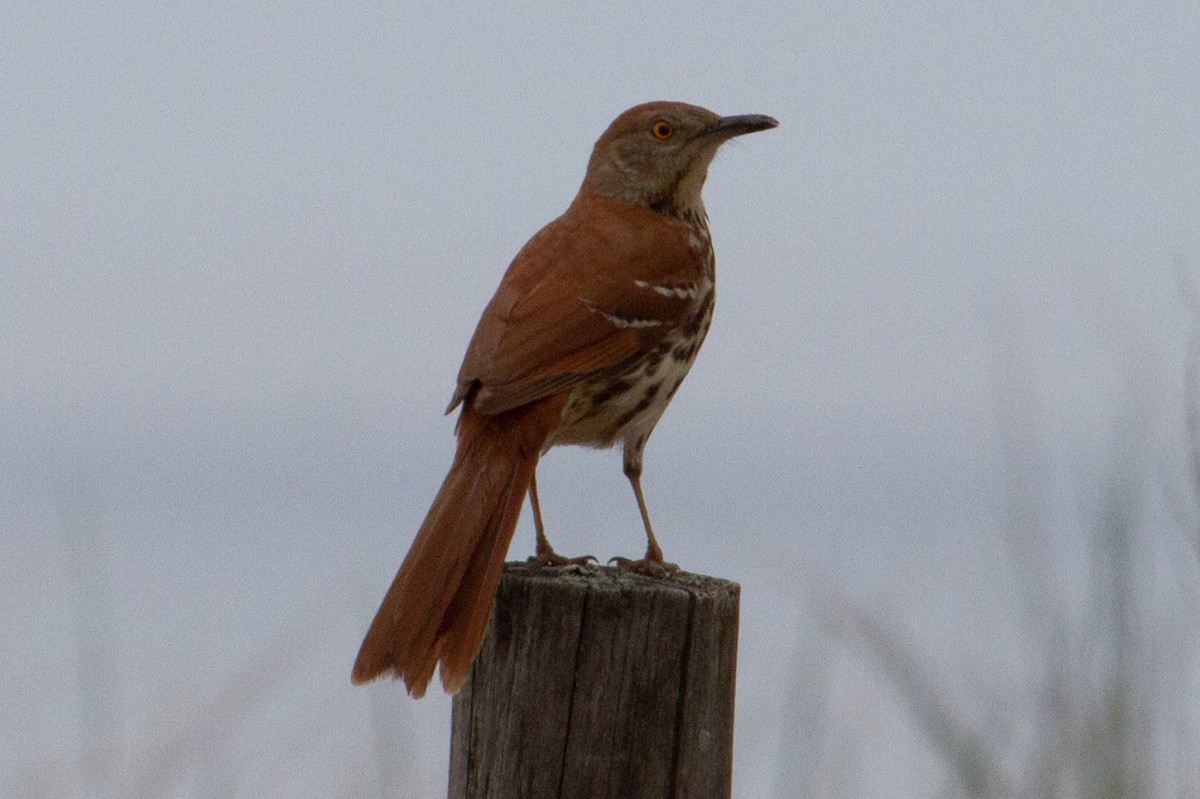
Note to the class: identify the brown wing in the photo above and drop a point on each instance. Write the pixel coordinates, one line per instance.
(586, 294)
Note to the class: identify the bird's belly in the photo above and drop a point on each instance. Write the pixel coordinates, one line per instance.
(627, 406)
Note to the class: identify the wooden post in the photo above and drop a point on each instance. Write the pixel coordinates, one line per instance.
(597, 683)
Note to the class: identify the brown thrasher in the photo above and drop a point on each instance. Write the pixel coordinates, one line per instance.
(589, 335)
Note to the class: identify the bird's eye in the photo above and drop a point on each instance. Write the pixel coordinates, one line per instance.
(662, 130)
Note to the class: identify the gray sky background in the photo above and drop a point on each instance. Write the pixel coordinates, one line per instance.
(242, 250)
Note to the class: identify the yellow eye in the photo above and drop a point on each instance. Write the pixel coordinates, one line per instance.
(662, 130)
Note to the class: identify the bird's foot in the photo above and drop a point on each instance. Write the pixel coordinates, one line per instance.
(549, 557)
(653, 567)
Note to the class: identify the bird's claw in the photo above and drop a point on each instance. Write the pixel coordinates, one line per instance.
(552, 558)
(653, 567)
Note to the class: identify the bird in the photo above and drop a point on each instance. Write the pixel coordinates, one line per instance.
(589, 335)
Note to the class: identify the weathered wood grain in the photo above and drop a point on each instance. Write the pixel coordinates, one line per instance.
(597, 683)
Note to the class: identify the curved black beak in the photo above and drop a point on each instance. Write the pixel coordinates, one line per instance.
(728, 127)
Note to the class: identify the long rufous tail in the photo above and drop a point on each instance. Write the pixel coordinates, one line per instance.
(438, 606)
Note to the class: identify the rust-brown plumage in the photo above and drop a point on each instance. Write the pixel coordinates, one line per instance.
(586, 340)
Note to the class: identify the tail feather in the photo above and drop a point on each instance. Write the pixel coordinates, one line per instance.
(438, 606)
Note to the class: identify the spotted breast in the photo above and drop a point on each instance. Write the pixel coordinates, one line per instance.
(625, 404)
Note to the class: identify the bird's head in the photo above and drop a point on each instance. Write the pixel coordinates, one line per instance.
(657, 154)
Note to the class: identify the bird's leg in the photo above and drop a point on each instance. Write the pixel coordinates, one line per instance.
(653, 564)
(545, 554)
